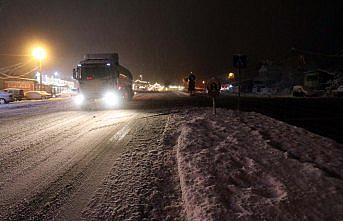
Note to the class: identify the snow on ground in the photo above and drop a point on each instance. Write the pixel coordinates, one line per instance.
(29, 103)
(24, 109)
(185, 164)
(253, 167)
(143, 183)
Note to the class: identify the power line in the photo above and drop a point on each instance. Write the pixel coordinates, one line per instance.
(10, 66)
(15, 55)
(18, 67)
(19, 75)
(28, 72)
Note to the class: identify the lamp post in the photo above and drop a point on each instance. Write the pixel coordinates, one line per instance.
(39, 54)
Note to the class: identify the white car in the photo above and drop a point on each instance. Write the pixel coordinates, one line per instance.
(37, 95)
(5, 97)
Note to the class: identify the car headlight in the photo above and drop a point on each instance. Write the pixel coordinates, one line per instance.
(111, 99)
(79, 99)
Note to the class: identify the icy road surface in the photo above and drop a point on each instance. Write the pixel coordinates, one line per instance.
(60, 163)
(64, 164)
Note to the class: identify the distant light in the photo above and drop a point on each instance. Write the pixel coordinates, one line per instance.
(203, 82)
(37, 75)
(79, 65)
(108, 64)
(56, 73)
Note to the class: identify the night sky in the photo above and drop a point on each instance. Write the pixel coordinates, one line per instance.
(166, 39)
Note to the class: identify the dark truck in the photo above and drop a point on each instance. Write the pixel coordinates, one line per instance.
(101, 78)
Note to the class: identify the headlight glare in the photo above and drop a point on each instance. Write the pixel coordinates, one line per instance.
(111, 99)
(79, 99)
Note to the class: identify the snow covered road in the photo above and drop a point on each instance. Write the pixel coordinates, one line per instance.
(53, 163)
(60, 163)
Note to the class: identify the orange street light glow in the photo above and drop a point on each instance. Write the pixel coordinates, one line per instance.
(231, 75)
(39, 53)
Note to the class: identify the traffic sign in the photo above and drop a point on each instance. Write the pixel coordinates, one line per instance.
(240, 61)
(213, 87)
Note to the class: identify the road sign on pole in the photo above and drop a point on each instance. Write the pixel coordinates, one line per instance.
(213, 90)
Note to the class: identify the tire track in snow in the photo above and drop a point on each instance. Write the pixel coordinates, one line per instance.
(14, 131)
(25, 148)
(68, 168)
(25, 161)
(143, 184)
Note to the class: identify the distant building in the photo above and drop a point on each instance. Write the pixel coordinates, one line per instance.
(26, 84)
(317, 79)
(140, 85)
(55, 85)
(50, 84)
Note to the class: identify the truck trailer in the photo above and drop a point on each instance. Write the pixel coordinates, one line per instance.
(102, 79)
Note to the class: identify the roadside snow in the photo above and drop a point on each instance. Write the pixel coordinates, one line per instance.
(24, 109)
(253, 167)
(143, 183)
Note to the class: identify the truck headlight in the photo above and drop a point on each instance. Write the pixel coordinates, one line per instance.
(111, 99)
(79, 99)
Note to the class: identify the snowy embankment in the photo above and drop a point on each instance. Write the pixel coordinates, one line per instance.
(253, 167)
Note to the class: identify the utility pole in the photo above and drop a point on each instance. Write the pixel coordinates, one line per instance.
(239, 61)
(40, 75)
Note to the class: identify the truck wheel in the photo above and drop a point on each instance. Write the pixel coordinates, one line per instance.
(2, 101)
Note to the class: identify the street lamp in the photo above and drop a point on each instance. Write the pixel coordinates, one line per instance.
(39, 54)
(231, 76)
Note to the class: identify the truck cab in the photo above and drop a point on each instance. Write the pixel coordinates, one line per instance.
(102, 78)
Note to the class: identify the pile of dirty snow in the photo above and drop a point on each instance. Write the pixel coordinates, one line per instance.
(252, 167)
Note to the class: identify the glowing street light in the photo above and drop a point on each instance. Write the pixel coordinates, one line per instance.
(231, 76)
(39, 54)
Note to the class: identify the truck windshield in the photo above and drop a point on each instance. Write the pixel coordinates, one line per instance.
(95, 72)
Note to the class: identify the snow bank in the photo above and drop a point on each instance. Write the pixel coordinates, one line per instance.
(253, 167)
